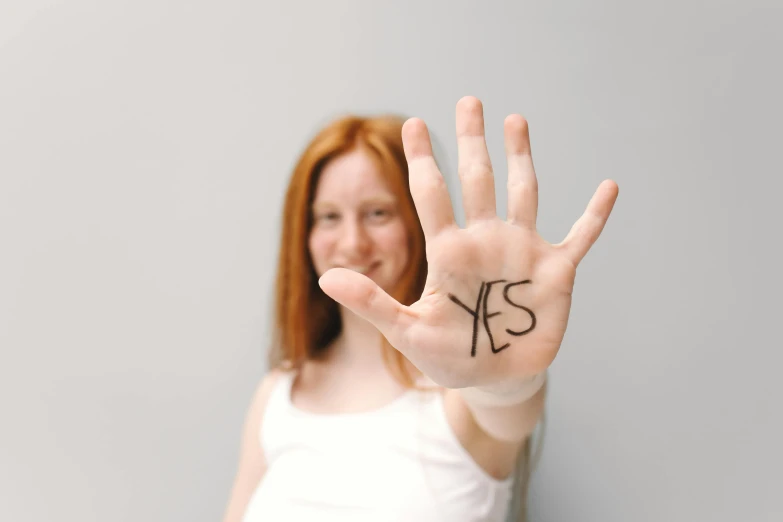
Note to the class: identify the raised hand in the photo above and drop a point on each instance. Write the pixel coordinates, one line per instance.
(497, 297)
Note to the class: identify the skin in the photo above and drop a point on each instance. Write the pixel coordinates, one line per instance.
(435, 333)
(356, 221)
(509, 289)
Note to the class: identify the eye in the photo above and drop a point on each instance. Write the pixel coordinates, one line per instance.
(379, 214)
(327, 217)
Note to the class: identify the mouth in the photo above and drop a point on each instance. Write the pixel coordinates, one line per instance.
(363, 269)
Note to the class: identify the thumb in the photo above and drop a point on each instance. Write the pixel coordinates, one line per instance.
(366, 299)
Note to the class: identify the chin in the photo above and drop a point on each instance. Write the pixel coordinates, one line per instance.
(388, 284)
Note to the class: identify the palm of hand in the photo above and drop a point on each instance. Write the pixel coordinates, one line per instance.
(497, 296)
(495, 306)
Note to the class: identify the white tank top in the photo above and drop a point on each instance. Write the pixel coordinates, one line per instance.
(401, 462)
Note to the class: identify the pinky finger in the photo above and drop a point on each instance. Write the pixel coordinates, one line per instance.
(589, 226)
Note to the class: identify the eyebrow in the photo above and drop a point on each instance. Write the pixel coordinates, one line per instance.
(371, 201)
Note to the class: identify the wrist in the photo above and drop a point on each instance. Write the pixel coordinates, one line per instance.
(505, 393)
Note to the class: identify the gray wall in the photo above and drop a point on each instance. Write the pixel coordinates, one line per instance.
(144, 150)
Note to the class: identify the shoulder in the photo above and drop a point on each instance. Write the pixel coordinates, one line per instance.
(497, 458)
(254, 418)
(259, 400)
(252, 462)
(268, 382)
(264, 390)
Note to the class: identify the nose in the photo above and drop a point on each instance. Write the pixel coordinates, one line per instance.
(355, 241)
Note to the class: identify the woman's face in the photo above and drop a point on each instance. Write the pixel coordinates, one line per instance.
(356, 222)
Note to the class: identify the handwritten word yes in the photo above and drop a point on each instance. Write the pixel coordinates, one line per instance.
(482, 303)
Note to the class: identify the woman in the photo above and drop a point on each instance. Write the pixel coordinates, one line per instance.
(409, 372)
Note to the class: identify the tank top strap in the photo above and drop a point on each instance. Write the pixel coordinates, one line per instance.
(280, 396)
(276, 412)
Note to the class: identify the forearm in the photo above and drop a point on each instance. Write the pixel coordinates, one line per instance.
(512, 422)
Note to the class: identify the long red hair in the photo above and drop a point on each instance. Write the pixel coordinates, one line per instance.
(306, 319)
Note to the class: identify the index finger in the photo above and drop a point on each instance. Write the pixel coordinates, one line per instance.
(428, 188)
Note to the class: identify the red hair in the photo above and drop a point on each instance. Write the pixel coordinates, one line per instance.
(306, 319)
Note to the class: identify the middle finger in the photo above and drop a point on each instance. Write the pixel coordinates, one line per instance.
(475, 168)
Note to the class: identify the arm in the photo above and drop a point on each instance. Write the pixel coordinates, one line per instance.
(252, 465)
(507, 412)
(493, 435)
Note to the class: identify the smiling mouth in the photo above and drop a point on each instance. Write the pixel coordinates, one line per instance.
(362, 269)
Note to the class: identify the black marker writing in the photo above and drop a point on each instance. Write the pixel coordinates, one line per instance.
(512, 303)
(483, 297)
(475, 316)
(487, 315)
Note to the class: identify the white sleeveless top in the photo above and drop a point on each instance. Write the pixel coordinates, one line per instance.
(401, 462)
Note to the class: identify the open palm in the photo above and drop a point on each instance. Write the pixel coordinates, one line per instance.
(497, 297)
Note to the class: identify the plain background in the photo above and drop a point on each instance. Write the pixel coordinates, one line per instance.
(144, 150)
